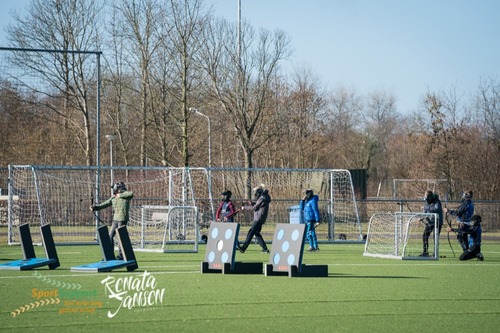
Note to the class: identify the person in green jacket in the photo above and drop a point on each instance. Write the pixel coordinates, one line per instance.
(120, 201)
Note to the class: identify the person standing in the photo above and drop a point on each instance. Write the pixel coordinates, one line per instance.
(120, 201)
(309, 205)
(432, 205)
(225, 211)
(463, 213)
(260, 207)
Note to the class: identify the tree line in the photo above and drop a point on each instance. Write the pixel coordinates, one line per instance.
(164, 60)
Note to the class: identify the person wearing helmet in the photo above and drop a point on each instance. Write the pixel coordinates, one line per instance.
(309, 205)
(463, 213)
(260, 207)
(474, 232)
(225, 211)
(432, 205)
(120, 201)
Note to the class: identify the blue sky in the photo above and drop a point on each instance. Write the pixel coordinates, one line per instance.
(404, 47)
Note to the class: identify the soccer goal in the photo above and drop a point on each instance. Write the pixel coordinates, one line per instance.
(164, 228)
(62, 196)
(399, 235)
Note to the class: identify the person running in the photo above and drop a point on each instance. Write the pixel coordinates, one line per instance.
(260, 207)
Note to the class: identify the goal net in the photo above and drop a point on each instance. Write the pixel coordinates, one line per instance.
(400, 236)
(164, 228)
(62, 195)
(337, 200)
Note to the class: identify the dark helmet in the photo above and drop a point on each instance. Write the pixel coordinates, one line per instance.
(430, 197)
(227, 194)
(119, 187)
(257, 191)
(476, 220)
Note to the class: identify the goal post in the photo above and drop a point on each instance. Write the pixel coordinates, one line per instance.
(62, 195)
(399, 235)
(164, 228)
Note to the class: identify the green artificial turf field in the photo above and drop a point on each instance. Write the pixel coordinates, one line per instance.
(360, 294)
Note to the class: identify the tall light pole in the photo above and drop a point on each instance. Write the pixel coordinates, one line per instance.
(209, 158)
(209, 135)
(111, 137)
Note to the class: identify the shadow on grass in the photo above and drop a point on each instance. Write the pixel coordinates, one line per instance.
(350, 276)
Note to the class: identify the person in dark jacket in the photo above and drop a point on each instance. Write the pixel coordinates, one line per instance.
(225, 211)
(432, 205)
(260, 207)
(474, 231)
(309, 205)
(120, 201)
(463, 213)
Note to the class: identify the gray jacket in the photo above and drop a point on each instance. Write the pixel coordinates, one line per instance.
(260, 207)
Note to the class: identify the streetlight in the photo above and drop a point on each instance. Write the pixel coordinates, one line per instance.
(209, 158)
(209, 135)
(111, 137)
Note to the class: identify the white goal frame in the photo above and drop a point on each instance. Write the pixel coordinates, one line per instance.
(398, 235)
(172, 221)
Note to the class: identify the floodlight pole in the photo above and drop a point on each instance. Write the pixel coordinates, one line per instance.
(209, 135)
(111, 137)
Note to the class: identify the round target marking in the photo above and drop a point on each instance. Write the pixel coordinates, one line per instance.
(225, 257)
(228, 234)
(291, 259)
(281, 233)
(215, 233)
(285, 246)
(276, 258)
(211, 256)
(295, 235)
(220, 245)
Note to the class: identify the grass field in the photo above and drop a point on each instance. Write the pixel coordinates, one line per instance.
(360, 294)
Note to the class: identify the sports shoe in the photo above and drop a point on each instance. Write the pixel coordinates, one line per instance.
(238, 246)
(265, 251)
(311, 249)
(119, 257)
(424, 254)
(480, 256)
(316, 249)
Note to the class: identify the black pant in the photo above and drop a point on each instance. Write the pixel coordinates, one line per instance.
(470, 253)
(429, 228)
(255, 229)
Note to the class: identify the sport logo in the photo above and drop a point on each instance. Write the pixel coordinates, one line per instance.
(133, 291)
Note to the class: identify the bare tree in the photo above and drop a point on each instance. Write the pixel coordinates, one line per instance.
(241, 72)
(380, 122)
(69, 79)
(135, 39)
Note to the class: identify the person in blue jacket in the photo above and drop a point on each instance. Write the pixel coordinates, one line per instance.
(463, 213)
(309, 205)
